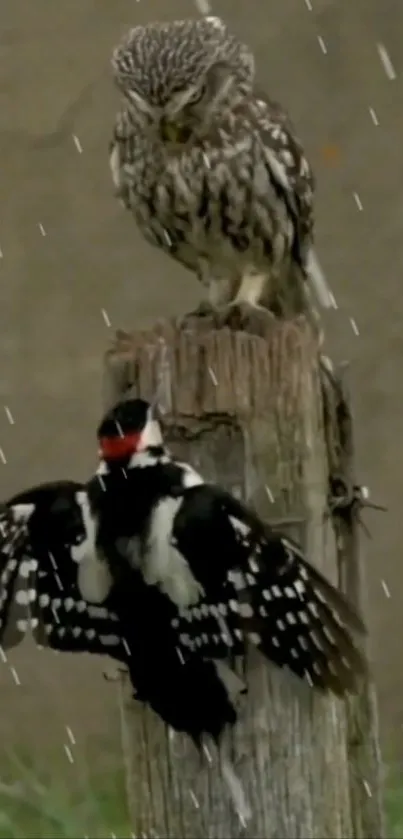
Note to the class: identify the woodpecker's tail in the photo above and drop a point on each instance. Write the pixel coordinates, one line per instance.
(190, 695)
(299, 620)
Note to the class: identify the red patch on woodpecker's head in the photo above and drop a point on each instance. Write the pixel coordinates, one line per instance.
(118, 447)
(126, 429)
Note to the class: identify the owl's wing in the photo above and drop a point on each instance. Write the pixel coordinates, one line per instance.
(289, 165)
(295, 180)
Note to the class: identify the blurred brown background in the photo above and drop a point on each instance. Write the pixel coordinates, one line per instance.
(69, 252)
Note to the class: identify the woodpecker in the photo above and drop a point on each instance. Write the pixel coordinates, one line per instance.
(47, 533)
(174, 578)
(198, 578)
(228, 578)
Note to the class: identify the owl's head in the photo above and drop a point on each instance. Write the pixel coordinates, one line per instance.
(180, 75)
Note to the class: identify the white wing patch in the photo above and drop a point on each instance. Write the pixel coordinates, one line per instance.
(94, 579)
(86, 548)
(162, 564)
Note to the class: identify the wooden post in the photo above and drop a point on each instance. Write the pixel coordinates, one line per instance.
(248, 412)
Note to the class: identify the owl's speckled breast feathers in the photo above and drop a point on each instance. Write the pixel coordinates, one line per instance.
(202, 194)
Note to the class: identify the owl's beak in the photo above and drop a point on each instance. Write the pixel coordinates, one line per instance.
(174, 132)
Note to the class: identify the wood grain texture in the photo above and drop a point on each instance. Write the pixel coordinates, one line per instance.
(247, 412)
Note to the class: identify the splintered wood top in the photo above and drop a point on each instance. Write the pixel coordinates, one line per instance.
(215, 371)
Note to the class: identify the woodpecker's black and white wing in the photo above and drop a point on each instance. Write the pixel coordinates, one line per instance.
(246, 584)
(64, 621)
(15, 573)
(47, 555)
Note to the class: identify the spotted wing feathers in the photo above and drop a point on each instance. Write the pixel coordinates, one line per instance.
(39, 595)
(275, 600)
(15, 573)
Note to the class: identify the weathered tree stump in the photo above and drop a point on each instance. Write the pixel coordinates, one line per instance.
(251, 413)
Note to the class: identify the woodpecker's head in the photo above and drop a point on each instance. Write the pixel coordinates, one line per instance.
(126, 430)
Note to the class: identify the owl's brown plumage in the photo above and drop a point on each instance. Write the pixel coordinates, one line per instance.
(211, 170)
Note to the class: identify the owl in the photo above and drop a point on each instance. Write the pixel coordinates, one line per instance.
(211, 169)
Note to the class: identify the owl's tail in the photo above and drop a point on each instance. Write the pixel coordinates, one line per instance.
(318, 282)
(306, 295)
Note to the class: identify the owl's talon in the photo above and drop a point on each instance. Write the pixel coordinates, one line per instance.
(202, 317)
(204, 309)
(248, 318)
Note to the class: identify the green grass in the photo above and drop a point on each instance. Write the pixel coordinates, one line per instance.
(394, 805)
(85, 798)
(70, 802)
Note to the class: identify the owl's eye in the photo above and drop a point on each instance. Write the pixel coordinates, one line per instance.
(197, 96)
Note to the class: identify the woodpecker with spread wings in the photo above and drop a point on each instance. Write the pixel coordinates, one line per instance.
(227, 578)
(149, 558)
(212, 169)
(55, 585)
(174, 578)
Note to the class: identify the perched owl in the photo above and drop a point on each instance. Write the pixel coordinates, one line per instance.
(211, 169)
